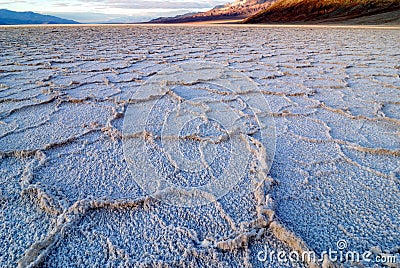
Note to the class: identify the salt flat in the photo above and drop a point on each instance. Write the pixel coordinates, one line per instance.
(69, 198)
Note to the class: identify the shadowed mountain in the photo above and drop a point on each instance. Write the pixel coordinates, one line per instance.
(330, 11)
(240, 9)
(8, 17)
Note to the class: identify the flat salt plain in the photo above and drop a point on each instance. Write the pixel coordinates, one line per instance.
(67, 197)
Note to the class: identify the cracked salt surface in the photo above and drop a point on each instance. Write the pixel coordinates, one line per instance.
(67, 197)
(193, 128)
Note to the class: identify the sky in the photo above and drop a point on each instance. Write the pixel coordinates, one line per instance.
(110, 10)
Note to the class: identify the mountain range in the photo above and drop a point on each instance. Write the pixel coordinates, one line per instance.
(299, 11)
(256, 11)
(240, 9)
(328, 11)
(8, 17)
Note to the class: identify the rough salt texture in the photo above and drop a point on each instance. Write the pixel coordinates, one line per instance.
(67, 197)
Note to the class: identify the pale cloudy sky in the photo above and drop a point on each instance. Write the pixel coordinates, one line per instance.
(104, 10)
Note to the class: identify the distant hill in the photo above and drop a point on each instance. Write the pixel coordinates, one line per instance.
(330, 11)
(8, 17)
(240, 9)
(177, 19)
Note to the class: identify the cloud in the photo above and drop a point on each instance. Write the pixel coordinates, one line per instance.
(13, 2)
(61, 5)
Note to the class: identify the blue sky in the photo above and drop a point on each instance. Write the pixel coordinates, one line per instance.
(104, 10)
